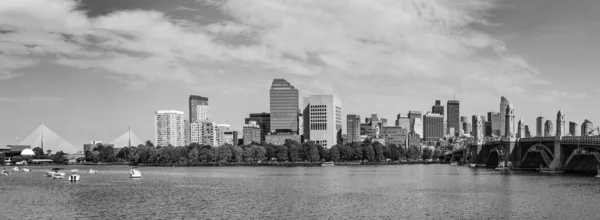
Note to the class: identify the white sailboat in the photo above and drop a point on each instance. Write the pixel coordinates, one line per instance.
(135, 173)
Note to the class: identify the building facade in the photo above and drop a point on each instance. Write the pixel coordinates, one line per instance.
(251, 133)
(324, 118)
(453, 108)
(494, 119)
(503, 105)
(477, 128)
(418, 127)
(539, 132)
(509, 123)
(284, 103)
(548, 129)
(395, 135)
(438, 108)
(279, 138)
(220, 133)
(263, 120)
(586, 128)
(433, 127)
(412, 115)
(403, 121)
(204, 133)
(353, 128)
(574, 129)
(198, 108)
(169, 128)
(560, 124)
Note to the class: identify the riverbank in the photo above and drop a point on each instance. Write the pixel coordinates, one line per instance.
(265, 164)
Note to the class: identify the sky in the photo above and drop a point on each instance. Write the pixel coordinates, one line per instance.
(90, 68)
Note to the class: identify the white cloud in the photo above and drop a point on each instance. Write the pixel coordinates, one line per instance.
(183, 8)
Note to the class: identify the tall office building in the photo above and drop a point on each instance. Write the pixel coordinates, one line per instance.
(353, 128)
(453, 107)
(527, 132)
(433, 127)
(187, 135)
(403, 121)
(520, 129)
(438, 108)
(574, 129)
(477, 128)
(539, 132)
(494, 119)
(263, 120)
(418, 127)
(503, 105)
(586, 128)
(284, 106)
(220, 133)
(487, 129)
(509, 123)
(560, 124)
(325, 119)
(198, 106)
(169, 128)
(548, 129)
(412, 115)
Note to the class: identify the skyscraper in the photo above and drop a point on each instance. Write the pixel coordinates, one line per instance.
(204, 133)
(353, 128)
(284, 106)
(548, 129)
(418, 127)
(403, 121)
(560, 123)
(503, 104)
(438, 108)
(198, 108)
(586, 127)
(494, 119)
(574, 129)
(169, 128)
(453, 115)
(539, 132)
(520, 129)
(412, 115)
(433, 127)
(325, 119)
(527, 132)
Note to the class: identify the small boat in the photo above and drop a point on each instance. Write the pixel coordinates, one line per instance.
(454, 163)
(15, 169)
(74, 177)
(54, 171)
(472, 165)
(58, 176)
(92, 171)
(74, 170)
(135, 173)
(328, 164)
(25, 169)
(5, 173)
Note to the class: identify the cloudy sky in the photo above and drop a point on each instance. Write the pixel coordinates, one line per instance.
(92, 67)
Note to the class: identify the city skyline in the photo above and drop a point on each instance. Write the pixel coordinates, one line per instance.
(95, 99)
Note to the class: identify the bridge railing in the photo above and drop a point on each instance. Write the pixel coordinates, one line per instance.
(581, 140)
(537, 139)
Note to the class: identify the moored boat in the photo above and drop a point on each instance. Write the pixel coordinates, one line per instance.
(74, 177)
(25, 169)
(328, 164)
(15, 169)
(55, 171)
(5, 173)
(92, 171)
(472, 165)
(58, 176)
(135, 173)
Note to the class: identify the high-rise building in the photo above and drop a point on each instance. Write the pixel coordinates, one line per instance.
(204, 133)
(503, 105)
(418, 127)
(284, 106)
(494, 119)
(438, 108)
(353, 128)
(527, 132)
(548, 129)
(488, 129)
(187, 135)
(263, 120)
(220, 133)
(539, 132)
(453, 107)
(198, 108)
(521, 129)
(403, 121)
(169, 128)
(325, 119)
(251, 133)
(230, 137)
(477, 128)
(586, 128)
(433, 127)
(560, 124)
(574, 129)
(412, 115)
(395, 135)
(509, 123)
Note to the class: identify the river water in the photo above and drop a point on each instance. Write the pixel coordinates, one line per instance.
(342, 192)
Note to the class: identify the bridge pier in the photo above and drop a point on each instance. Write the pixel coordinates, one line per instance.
(557, 163)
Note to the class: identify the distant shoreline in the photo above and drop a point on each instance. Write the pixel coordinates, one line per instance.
(269, 164)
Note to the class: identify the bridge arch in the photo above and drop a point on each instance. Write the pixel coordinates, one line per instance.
(583, 159)
(541, 146)
(495, 156)
(538, 155)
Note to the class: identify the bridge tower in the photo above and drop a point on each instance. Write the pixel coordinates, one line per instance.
(478, 131)
(560, 124)
(509, 121)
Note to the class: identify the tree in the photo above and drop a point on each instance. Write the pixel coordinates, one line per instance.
(402, 152)
(249, 153)
(225, 153)
(2, 158)
(193, 155)
(203, 155)
(394, 152)
(436, 154)
(38, 151)
(57, 157)
(313, 153)
(378, 151)
(213, 154)
(322, 152)
(293, 154)
(413, 152)
(149, 143)
(427, 152)
(282, 153)
(335, 153)
(369, 153)
(260, 152)
(238, 154)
